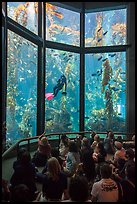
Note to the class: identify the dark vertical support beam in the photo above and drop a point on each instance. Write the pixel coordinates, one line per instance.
(131, 68)
(82, 67)
(41, 74)
(4, 73)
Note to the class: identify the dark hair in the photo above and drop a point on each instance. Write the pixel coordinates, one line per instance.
(73, 146)
(111, 134)
(92, 134)
(130, 153)
(130, 172)
(102, 150)
(106, 171)
(78, 188)
(20, 193)
(21, 152)
(25, 158)
(64, 139)
(55, 152)
(88, 164)
(120, 163)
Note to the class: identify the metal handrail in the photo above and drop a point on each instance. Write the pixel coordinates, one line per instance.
(16, 145)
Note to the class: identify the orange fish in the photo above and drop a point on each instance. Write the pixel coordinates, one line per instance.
(58, 14)
(50, 7)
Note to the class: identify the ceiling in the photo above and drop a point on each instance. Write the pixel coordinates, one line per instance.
(77, 6)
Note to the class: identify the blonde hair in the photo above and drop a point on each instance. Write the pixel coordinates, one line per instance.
(54, 168)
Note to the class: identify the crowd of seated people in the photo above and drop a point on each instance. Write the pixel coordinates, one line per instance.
(83, 169)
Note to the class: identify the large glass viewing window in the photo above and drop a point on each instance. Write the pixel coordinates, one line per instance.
(24, 13)
(62, 25)
(105, 91)
(21, 87)
(38, 63)
(62, 112)
(105, 28)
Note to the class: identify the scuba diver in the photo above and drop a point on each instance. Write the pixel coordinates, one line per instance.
(61, 84)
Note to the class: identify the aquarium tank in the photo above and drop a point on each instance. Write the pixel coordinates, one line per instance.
(105, 72)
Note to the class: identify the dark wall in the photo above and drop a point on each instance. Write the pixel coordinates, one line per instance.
(131, 69)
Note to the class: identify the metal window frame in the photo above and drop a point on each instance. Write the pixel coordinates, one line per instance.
(42, 43)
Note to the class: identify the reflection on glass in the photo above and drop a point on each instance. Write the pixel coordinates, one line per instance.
(105, 92)
(62, 25)
(24, 13)
(105, 28)
(21, 88)
(62, 110)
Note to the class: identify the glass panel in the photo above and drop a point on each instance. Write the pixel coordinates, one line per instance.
(24, 13)
(62, 25)
(62, 110)
(21, 88)
(105, 28)
(105, 92)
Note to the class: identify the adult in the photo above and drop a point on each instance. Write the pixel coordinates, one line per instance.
(43, 152)
(55, 181)
(105, 190)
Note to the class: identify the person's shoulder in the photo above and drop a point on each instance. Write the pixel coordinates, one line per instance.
(63, 174)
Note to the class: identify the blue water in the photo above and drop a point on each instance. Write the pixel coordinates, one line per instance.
(105, 75)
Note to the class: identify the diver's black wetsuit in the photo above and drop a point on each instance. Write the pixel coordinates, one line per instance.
(60, 83)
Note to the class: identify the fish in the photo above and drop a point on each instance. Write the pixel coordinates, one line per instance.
(32, 62)
(112, 55)
(29, 71)
(94, 74)
(68, 124)
(48, 119)
(122, 72)
(104, 59)
(105, 33)
(99, 39)
(115, 89)
(58, 14)
(29, 125)
(99, 72)
(99, 58)
(99, 29)
(103, 118)
(86, 117)
(21, 79)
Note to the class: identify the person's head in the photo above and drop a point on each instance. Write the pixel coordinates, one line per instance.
(20, 193)
(55, 152)
(25, 157)
(106, 171)
(78, 189)
(130, 172)
(43, 141)
(63, 76)
(119, 138)
(130, 154)
(110, 134)
(85, 142)
(97, 138)
(64, 139)
(92, 134)
(118, 145)
(53, 168)
(73, 147)
(21, 152)
(100, 147)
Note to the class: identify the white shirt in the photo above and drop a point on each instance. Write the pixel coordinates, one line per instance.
(105, 190)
